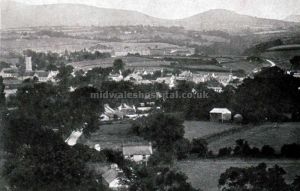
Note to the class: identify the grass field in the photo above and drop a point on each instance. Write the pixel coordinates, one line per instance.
(258, 136)
(204, 174)
(224, 135)
(111, 136)
(204, 129)
(47, 44)
(131, 62)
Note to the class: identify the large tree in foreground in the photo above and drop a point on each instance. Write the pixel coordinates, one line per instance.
(254, 179)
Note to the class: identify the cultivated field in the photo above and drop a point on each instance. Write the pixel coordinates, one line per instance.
(46, 44)
(204, 174)
(131, 62)
(111, 136)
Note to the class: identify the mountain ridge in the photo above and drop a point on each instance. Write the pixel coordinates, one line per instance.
(18, 15)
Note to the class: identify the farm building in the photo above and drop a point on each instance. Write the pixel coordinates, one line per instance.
(220, 115)
(139, 153)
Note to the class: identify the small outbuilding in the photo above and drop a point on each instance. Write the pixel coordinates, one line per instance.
(238, 118)
(220, 115)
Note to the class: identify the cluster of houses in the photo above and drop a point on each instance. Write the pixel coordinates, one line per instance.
(125, 50)
(13, 77)
(126, 111)
(222, 79)
(111, 175)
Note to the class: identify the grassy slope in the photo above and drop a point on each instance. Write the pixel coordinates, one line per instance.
(258, 136)
(204, 174)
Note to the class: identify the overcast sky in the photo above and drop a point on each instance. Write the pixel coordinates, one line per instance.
(174, 9)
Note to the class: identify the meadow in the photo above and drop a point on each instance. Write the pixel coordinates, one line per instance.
(111, 136)
(204, 174)
(258, 136)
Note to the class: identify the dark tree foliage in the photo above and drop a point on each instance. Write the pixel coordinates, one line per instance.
(291, 150)
(268, 96)
(199, 147)
(143, 178)
(254, 178)
(2, 94)
(162, 129)
(118, 65)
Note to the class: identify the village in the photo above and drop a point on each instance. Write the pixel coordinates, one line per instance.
(118, 98)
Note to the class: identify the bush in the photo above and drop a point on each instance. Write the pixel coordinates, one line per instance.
(291, 150)
(225, 151)
(267, 151)
(199, 146)
(182, 148)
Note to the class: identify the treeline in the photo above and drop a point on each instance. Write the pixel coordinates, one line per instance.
(166, 132)
(243, 149)
(257, 178)
(86, 55)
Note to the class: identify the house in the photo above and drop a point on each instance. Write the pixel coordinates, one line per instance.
(220, 115)
(9, 73)
(109, 174)
(116, 77)
(44, 76)
(139, 153)
(133, 77)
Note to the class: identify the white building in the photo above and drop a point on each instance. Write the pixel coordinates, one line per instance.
(220, 115)
(137, 152)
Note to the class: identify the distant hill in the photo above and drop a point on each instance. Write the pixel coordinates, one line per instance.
(16, 15)
(293, 18)
(220, 19)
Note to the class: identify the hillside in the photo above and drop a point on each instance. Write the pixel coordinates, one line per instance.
(220, 19)
(293, 18)
(16, 15)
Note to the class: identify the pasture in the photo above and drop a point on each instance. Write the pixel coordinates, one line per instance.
(131, 62)
(204, 129)
(204, 174)
(46, 44)
(220, 135)
(258, 136)
(111, 136)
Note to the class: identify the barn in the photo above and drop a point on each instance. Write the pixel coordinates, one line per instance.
(220, 115)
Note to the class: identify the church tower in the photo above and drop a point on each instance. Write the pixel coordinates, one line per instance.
(28, 64)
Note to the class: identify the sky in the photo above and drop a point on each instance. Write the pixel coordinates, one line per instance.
(175, 9)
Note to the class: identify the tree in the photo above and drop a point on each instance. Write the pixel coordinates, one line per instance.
(163, 129)
(199, 146)
(49, 167)
(267, 151)
(65, 76)
(118, 65)
(296, 183)
(2, 94)
(290, 150)
(182, 148)
(295, 61)
(253, 178)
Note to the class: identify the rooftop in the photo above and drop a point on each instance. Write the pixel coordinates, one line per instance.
(137, 150)
(220, 110)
